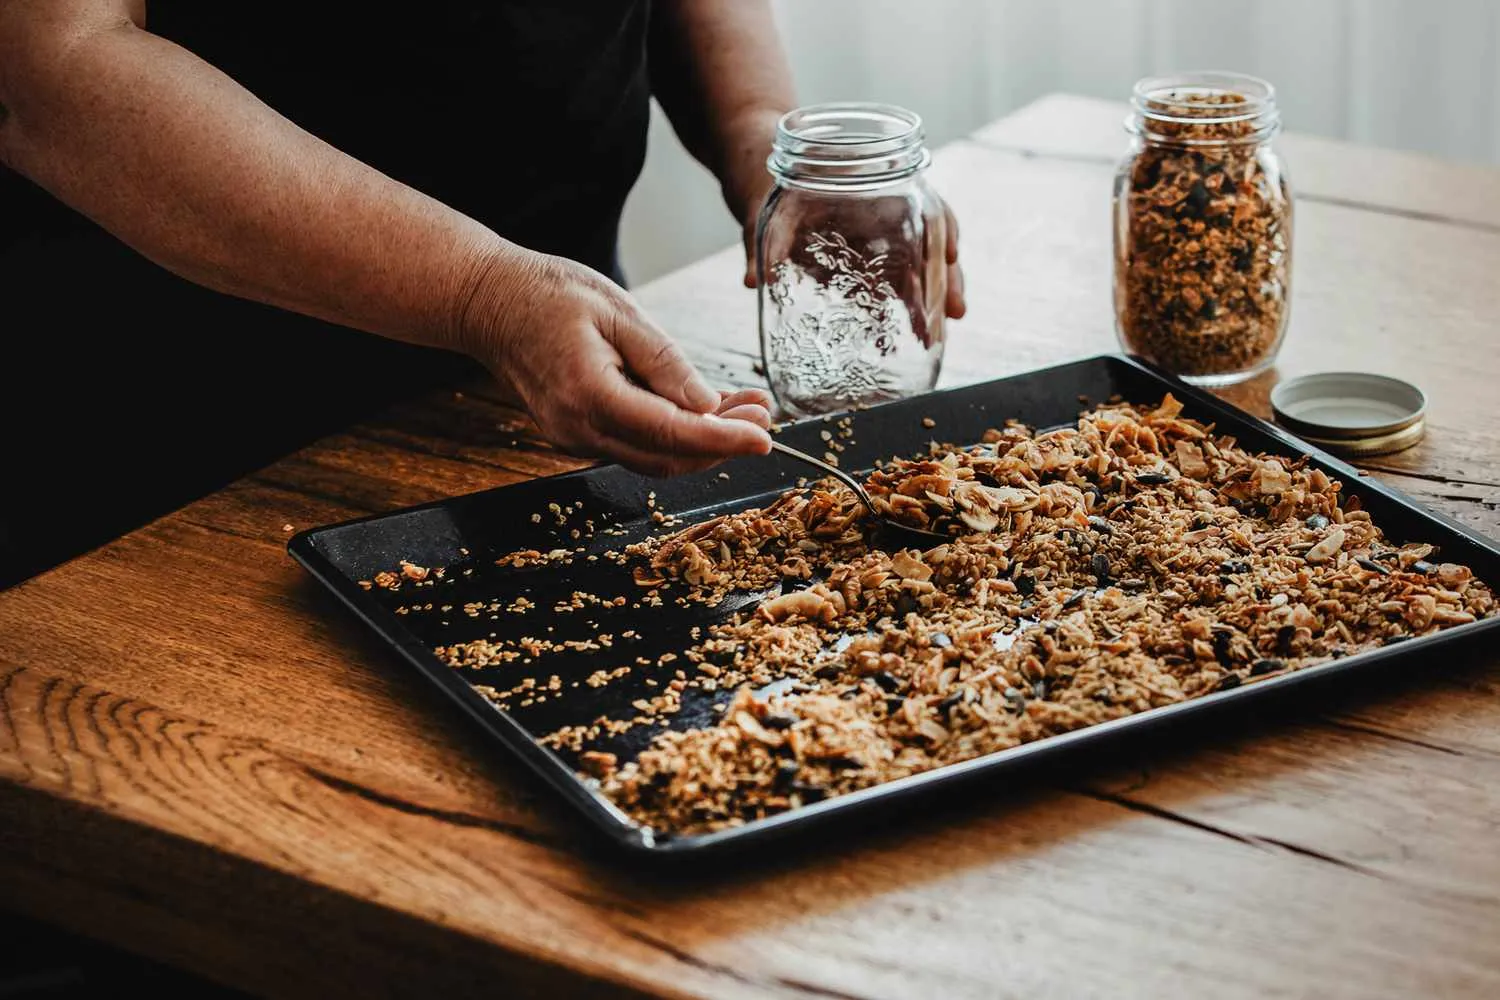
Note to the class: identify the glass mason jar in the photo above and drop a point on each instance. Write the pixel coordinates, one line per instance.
(849, 256)
(1203, 228)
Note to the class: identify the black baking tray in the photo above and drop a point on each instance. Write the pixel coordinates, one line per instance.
(468, 533)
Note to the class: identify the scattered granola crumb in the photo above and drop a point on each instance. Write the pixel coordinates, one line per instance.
(597, 763)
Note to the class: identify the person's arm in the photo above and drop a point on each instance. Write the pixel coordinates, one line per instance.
(722, 77)
(189, 168)
(720, 74)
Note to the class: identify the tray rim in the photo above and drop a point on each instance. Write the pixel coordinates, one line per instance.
(606, 818)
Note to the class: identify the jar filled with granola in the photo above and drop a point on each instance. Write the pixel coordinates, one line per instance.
(1203, 228)
(850, 260)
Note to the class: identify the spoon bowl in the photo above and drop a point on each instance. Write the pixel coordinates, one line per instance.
(894, 530)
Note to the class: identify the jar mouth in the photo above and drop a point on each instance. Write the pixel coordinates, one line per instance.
(848, 143)
(1204, 107)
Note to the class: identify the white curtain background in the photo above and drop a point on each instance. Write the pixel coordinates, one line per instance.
(1422, 75)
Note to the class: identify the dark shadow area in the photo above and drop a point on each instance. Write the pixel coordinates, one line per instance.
(135, 392)
(45, 962)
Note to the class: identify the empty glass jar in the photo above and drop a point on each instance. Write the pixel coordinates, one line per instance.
(849, 260)
(1203, 228)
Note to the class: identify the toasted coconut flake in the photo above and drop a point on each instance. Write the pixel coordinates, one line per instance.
(648, 577)
(1190, 460)
(1272, 478)
(909, 566)
(1327, 548)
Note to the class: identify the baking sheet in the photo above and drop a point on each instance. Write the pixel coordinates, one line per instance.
(467, 534)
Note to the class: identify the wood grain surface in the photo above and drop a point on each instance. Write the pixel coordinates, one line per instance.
(202, 759)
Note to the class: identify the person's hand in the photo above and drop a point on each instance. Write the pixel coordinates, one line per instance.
(753, 202)
(599, 378)
(955, 306)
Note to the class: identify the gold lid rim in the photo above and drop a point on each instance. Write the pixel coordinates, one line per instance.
(1368, 447)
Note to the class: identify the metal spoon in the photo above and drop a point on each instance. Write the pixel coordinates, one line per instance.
(913, 537)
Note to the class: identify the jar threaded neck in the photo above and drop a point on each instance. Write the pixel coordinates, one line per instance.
(847, 144)
(1204, 108)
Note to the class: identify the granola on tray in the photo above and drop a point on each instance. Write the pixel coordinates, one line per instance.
(1133, 561)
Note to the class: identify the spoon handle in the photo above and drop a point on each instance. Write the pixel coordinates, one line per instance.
(831, 470)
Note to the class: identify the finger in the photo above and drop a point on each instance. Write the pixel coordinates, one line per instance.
(582, 440)
(653, 358)
(956, 304)
(647, 463)
(628, 413)
(654, 425)
(750, 257)
(753, 412)
(950, 227)
(760, 397)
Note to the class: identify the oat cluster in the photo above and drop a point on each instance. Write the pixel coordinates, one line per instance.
(1133, 561)
(1203, 243)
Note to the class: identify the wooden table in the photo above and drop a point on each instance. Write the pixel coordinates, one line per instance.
(202, 759)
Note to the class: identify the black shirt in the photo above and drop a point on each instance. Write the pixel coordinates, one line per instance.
(528, 115)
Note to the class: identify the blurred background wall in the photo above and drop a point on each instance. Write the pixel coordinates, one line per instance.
(1414, 74)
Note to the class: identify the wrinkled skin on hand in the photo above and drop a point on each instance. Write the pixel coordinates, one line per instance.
(598, 376)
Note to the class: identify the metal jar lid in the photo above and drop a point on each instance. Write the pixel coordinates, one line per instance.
(1351, 413)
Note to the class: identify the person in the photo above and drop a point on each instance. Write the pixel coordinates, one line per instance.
(449, 177)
